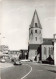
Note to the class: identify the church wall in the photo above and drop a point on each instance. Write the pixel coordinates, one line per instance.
(32, 54)
(46, 51)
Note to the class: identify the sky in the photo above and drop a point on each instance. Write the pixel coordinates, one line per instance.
(15, 20)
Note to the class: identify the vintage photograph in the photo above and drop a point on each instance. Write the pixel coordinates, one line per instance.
(27, 39)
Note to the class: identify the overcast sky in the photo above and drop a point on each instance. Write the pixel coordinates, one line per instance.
(16, 16)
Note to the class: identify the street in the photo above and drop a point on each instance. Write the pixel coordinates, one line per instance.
(30, 71)
(15, 72)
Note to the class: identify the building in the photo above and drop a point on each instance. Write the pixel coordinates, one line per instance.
(18, 54)
(4, 52)
(24, 54)
(14, 54)
(40, 49)
(4, 49)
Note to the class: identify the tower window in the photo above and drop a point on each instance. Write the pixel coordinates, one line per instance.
(35, 31)
(31, 31)
(35, 24)
(36, 38)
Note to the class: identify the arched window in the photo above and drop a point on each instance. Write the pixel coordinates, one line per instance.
(31, 32)
(51, 50)
(35, 31)
(44, 50)
(35, 24)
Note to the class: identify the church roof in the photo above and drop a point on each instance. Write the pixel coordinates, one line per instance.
(35, 19)
(47, 41)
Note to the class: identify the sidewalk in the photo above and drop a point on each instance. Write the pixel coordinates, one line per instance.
(51, 67)
(5, 65)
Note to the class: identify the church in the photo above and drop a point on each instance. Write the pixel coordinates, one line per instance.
(39, 48)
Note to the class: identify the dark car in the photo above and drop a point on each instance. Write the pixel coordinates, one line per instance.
(17, 63)
(49, 60)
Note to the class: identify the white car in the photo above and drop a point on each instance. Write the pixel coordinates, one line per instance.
(25, 60)
(2, 60)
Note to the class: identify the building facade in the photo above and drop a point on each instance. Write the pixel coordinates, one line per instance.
(40, 48)
(4, 49)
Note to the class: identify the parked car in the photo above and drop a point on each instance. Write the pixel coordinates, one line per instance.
(2, 60)
(17, 63)
(25, 60)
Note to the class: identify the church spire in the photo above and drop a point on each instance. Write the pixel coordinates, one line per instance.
(35, 21)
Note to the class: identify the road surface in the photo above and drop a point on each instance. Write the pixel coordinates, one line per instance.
(30, 71)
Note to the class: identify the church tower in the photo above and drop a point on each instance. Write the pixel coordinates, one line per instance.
(35, 36)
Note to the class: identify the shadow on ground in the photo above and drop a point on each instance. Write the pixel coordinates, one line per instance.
(52, 71)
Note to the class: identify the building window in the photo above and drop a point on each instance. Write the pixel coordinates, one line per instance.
(36, 38)
(35, 24)
(49, 50)
(35, 31)
(44, 50)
